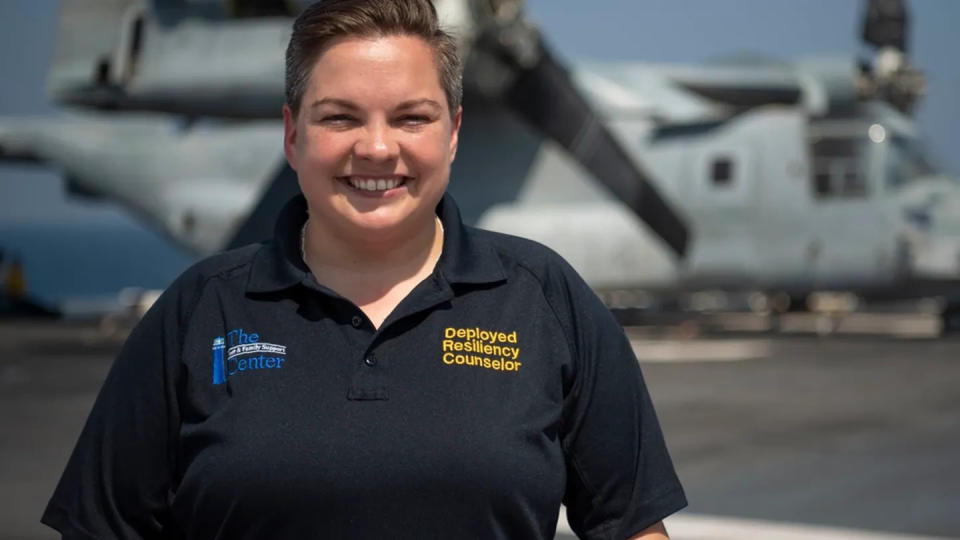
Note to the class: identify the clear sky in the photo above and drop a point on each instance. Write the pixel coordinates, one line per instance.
(646, 30)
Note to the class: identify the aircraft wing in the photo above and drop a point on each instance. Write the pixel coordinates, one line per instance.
(714, 91)
(194, 58)
(117, 54)
(196, 182)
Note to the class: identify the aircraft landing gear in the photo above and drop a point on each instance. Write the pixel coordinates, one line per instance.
(950, 316)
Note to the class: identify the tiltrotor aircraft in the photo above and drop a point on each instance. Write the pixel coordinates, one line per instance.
(757, 174)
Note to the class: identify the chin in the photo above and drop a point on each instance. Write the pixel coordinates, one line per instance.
(380, 221)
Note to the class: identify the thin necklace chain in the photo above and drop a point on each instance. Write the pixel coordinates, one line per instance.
(303, 242)
(303, 238)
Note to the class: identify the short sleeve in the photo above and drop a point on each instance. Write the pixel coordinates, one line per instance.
(117, 482)
(620, 479)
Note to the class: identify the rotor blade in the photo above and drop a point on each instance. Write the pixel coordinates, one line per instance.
(544, 95)
(745, 97)
(885, 24)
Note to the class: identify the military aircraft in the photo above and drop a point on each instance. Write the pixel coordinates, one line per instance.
(740, 175)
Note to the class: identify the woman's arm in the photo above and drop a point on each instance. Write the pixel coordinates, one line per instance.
(620, 476)
(654, 532)
(117, 483)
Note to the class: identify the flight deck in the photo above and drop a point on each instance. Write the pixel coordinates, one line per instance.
(788, 435)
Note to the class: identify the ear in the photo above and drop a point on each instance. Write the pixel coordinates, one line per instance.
(455, 133)
(290, 136)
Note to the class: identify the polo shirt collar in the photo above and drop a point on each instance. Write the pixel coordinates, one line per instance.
(278, 265)
(465, 257)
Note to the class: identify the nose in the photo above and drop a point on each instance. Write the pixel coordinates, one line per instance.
(376, 143)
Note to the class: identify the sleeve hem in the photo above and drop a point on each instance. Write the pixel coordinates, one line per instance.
(666, 505)
(57, 518)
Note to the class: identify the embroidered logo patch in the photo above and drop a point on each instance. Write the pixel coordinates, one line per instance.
(488, 349)
(241, 351)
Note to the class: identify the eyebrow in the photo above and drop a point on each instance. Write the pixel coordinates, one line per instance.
(333, 101)
(416, 102)
(346, 104)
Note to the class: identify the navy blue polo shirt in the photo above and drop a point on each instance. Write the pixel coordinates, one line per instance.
(253, 402)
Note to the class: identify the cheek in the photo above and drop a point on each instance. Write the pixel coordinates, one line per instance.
(323, 151)
(430, 152)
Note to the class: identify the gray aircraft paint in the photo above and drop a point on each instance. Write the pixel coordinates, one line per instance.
(198, 179)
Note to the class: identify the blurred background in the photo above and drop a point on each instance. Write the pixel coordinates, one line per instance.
(790, 291)
(42, 224)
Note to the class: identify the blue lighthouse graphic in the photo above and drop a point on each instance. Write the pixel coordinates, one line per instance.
(219, 369)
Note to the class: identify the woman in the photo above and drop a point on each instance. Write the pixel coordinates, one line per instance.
(378, 369)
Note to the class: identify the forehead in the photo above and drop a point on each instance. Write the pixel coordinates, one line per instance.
(382, 66)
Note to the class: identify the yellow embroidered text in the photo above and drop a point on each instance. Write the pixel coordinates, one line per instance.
(486, 349)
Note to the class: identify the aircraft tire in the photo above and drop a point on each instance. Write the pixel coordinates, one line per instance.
(950, 319)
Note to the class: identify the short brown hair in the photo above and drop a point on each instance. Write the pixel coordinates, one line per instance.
(326, 20)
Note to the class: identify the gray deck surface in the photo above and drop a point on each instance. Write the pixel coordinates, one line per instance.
(843, 431)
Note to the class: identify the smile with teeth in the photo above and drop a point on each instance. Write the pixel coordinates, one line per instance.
(376, 184)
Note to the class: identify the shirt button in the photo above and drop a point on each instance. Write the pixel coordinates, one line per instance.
(356, 321)
(370, 360)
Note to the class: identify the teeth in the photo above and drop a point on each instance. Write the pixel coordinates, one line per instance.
(379, 184)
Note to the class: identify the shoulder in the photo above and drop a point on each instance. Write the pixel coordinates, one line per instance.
(519, 254)
(225, 264)
(568, 295)
(233, 265)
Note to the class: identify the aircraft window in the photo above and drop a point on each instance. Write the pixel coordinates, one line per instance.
(136, 42)
(136, 45)
(722, 173)
(102, 75)
(838, 167)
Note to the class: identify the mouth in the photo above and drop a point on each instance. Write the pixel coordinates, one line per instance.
(375, 184)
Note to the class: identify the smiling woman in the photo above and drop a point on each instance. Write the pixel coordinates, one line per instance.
(377, 370)
(372, 151)
(367, 155)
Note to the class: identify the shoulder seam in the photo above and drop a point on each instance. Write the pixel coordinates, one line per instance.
(182, 331)
(553, 310)
(573, 357)
(196, 300)
(588, 486)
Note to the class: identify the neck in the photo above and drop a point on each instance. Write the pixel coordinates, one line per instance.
(365, 269)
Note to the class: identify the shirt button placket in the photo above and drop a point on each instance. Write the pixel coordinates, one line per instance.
(368, 383)
(356, 321)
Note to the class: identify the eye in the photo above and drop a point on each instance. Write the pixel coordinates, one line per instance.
(414, 119)
(338, 119)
